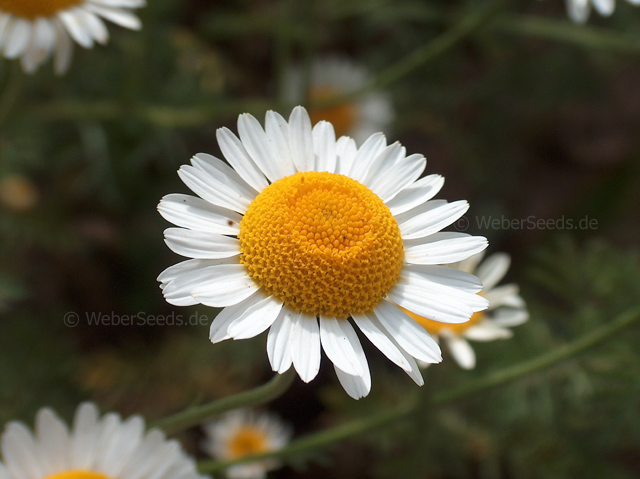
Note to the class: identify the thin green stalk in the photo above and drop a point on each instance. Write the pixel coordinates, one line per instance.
(196, 415)
(359, 426)
(11, 91)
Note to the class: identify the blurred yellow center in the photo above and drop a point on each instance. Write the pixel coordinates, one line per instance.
(322, 243)
(436, 327)
(78, 474)
(32, 9)
(342, 116)
(247, 441)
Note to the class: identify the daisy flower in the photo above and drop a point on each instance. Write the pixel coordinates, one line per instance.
(241, 433)
(333, 76)
(35, 29)
(506, 309)
(304, 232)
(95, 448)
(579, 10)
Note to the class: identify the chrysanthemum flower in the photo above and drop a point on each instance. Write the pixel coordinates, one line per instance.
(95, 448)
(506, 309)
(304, 232)
(579, 10)
(334, 76)
(241, 433)
(34, 29)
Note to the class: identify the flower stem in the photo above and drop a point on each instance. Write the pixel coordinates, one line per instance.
(359, 426)
(196, 415)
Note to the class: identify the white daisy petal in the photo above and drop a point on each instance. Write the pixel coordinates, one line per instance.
(413, 278)
(53, 439)
(493, 269)
(301, 140)
(259, 147)
(505, 295)
(324, 143)
(63, 49)
(74, 21)
(237, 156)
(346, 152)
(509, 317)
(355, 386)
(416, 194)
(256, 318)
(17, 38)
(430, 218)
(277, 131)
(220, 325)
(444, 248)
(84, 437)
(227, 284)
(461, 351)
(198, 244)
(119, 17)
(5, 24)
(19, 452)
(604, 7)
(443, 275)
(410, 335)
(224, 179)
(341, 345)
(96, 28)
(366, 155)
(487, 331)
(199, 215)
(305, 346)
(279, 340)
(578, 10)
(391, 181)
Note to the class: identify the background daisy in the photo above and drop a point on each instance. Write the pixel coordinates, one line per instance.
(244, 432)
(334, 76)
(95, 448)
(506, 309)
(306, 232)
(579, 10)
(32, 30)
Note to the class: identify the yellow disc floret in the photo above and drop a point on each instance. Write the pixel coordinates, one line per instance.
(247, 440)
(78, 474)
(436, 327)
(322, 243)
(32, 9)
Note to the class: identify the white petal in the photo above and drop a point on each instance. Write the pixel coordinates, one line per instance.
(53, 438)
(5, 24)
(366, 155)
(260, 147)
(493, 269)
(416, 194)
(277, 131)
(279, 340)
(443, 248)
(410, 335)
(443, 275)
(237, 156)
(119, 17)
(227, 284)
(430, 218)
(509, 317)
(73, 19)
(487, 331)
(41, 45)
(96, 28)
(381, 165)
(341, 345)
(301, 139)
(84, 437)
(256, 318)
(470, 264)
(224, 178)
(324, 144)
(220, 325)
(199, 215)
(578, 10)
(198, 244)
(63, 49)
(355, 386)
(17, 38)
(346, 151)
(391, 181)
(305, 346)
(461, 351)
(604, 7)
(505, 295)
(20, 452)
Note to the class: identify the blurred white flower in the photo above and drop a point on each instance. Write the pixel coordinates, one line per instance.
(33, 30)
(333, 76)
(579, 10)
(506, 309)
(243, 432)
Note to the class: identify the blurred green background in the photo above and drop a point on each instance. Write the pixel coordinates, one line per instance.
(528, 117)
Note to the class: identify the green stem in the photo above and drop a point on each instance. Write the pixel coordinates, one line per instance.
(360, 426)
(11, 92)
(196, 415)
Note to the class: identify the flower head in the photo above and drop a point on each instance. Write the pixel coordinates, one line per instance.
(506, 309)
(304, 232)
(240, 433)
(34, 29)
(334, 76)
(95, 448)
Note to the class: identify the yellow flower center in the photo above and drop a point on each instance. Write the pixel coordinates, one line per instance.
(32, 9)
(436, 327)
(342, 116)
(248, 440)
(78, 474)
(322, 243)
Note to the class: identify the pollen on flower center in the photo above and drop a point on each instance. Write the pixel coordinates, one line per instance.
(342, 116)
(78, 474)
(32, 9)
(322, 243)
(436, 327)
(247, 441)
